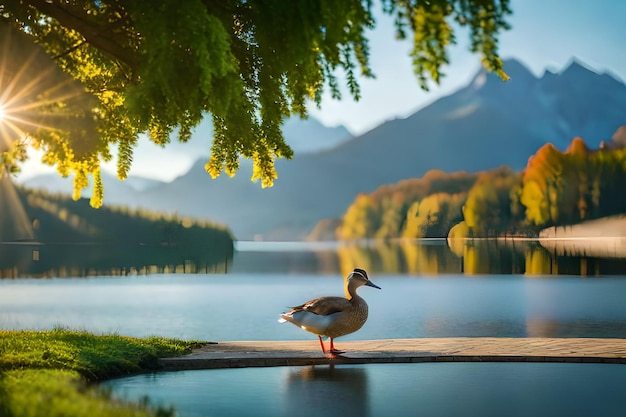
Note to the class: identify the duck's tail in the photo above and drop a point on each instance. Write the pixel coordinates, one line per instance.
(284, 318)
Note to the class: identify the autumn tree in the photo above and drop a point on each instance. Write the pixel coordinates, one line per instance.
(160, 67)
(360, 220)
(541, 180)
(488, 209)
(606, 185)
(481, 210)
(433, 216)
(575, 200)
(413, 222)
(575, 185)
(392, 216)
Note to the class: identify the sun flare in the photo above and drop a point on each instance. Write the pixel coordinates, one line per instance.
(35, 94)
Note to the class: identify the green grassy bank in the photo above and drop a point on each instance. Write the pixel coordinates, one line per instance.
(52, 373)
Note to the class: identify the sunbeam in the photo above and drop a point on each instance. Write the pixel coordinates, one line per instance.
(37, 99)
(38, 105)
(14, 222)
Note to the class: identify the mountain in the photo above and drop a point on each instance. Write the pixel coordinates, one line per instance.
(115, 190)
(558, 107)
(484, 125)
(310, 136)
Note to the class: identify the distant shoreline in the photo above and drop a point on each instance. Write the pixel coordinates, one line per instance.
(606, 227)
(602, 238)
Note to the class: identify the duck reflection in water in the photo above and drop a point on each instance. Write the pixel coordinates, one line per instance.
(326, 390)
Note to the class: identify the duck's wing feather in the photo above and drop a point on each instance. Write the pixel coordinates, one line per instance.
(317, 315)
(324, 306)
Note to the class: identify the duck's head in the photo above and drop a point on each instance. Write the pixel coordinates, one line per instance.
(358, 277)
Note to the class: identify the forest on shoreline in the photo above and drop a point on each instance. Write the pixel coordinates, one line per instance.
(70, 238)
(556, 188)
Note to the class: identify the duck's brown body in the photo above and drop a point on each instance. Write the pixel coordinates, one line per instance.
(333, 316)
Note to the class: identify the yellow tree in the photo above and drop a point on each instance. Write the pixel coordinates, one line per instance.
(413, 222)
(392, 215)
(359, 221)
(540, 185)
(481, 208)
(575, 197)
(428, 214)
(489, 208)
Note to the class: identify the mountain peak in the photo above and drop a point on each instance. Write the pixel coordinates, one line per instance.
(514, 67)
(521, 79)
(576, 68)
(578, 74)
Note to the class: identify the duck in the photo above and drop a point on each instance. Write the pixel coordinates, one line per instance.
(332, 316)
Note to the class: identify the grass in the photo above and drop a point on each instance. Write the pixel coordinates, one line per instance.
(51, 373)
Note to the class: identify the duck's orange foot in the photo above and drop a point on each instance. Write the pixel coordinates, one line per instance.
(334, 354)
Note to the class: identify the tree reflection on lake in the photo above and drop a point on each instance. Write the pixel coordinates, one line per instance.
(433, 257)
(414, 257)
(21, 260)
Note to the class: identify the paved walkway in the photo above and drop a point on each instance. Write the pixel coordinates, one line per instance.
(487, 349)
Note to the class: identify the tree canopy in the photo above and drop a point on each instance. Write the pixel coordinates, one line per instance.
(160, 67)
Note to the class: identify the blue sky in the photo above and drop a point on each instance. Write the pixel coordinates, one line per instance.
(545, 34)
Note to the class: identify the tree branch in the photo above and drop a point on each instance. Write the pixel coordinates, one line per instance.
(93, 33)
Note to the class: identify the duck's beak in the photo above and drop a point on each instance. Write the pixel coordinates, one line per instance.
(371, 284)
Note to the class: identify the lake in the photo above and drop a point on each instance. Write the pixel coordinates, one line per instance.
(426, 389)
(429, 289)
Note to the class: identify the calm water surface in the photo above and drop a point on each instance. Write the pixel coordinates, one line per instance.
(427, 297)
(428, 290)
(241, 306)
(425, 389)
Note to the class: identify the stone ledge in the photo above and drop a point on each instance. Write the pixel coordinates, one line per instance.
(298, 353)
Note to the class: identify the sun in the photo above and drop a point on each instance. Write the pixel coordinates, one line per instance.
(33, 90)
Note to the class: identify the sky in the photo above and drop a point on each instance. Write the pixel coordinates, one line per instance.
(545, 34)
